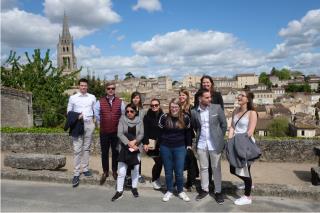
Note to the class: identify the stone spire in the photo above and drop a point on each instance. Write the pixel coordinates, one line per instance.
(65, 29)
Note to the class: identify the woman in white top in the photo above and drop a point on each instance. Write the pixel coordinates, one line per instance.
(244, 120)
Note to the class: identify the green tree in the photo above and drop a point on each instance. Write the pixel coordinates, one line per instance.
(264, 79)
(279, 127)
(143, 77)
(129, 75)
(46, 83)
(298, 88)
(96, 87)
(125, 96)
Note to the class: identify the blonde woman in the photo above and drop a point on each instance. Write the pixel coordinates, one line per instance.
(175, 137)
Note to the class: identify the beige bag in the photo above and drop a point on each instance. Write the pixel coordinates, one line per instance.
(152, 144)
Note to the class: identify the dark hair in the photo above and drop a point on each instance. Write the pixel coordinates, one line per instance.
(134, 94)
(210, 79)
(83, 80)
(131, 105)
(250, 97)
(202, 91)
(155, 99)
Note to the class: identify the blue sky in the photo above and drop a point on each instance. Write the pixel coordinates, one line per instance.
(170, 37)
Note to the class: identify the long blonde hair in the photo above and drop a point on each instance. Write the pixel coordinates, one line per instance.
(186, 105)
(180, 123)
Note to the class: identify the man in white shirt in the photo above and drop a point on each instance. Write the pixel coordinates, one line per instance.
(210, 124)
(83, 103)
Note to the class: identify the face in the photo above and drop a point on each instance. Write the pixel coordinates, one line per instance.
(206, 84)
(111, 90)
(242, 98)
(136, 100)
(83, 87)
(205, 99)
(155, 106)
(130, 113)
(174, 109)
(182, 97)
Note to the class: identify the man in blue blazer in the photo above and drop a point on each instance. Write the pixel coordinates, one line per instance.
(210, 125)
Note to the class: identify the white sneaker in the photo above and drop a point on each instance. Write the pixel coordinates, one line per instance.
(244, 200)
(184, 196)
(156, 185)
(167, 196)
(241, 186)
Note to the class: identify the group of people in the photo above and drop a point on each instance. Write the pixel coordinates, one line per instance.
(166, 137)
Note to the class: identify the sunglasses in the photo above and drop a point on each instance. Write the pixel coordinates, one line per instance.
(154, 105)
(130, 111)
(111, 88)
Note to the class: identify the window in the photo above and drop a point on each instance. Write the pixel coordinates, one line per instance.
(302, 132)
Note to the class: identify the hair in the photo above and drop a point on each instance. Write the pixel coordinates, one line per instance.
(250, 97)
(155, 99)
(180, 123)
(202, 91)
(210, 79)
(110, 83)
(134, 94)
(83, 80)
(131, 105)
(186, 105)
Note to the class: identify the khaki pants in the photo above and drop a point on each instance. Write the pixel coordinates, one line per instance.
(81, 148)
(204, 169)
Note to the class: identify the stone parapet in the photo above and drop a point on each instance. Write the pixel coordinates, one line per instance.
(294, 150)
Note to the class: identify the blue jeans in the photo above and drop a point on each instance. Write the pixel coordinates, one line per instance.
(173, 160)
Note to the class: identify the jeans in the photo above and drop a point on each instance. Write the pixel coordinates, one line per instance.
(107, 140)
(173, 160)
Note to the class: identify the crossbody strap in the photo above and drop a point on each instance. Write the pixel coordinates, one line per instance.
(240, 118)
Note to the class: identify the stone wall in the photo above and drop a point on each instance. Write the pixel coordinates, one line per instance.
(295, 150)
(16, 108)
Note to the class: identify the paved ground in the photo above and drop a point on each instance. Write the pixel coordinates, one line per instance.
(296, 174)
(40, 196)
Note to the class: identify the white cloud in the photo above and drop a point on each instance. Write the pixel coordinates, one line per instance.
(21, 29)
(149, 5)
(121, 37)
(211, 52)
(299, 35)
(87, 52)
(88, 14)
(307, 61)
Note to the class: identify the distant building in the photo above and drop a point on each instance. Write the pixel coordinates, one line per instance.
(263, 97)
(247, 79)
(191, 81)
(302, 130)
(278, 91)
(280, 111)
(262, 126)
(225, 82)
(164, 83)
(65, 50)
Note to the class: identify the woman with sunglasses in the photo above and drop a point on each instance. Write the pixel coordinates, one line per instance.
(137, 101)
(175, 137)
(130, 134)
(244, 120)
(191, 162)
(151, 134)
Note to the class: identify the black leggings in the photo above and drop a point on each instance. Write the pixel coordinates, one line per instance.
(247, 180)
(156, 169)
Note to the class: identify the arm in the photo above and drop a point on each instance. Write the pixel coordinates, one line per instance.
(70, 105)
(231, 129)
(221, 101)
(97, 112)
(188, 133)
(223, 121)
(252, 123)
(121, 135)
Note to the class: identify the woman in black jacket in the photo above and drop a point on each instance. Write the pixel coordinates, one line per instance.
(152, 133)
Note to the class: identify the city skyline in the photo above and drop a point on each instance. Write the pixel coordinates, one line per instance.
(174, 38)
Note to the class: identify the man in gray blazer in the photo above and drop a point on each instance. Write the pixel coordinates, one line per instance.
(210, 125)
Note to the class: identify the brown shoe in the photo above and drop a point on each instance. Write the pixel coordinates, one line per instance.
(115, 175)
(104, 177)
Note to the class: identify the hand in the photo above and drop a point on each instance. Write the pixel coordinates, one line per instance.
(132, 143)
(80, 116)
(189, 147)
(145, 148)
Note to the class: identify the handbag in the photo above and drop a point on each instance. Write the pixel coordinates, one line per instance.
(152, 144)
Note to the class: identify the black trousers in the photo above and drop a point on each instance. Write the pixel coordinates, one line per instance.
(107, 140)
(156, 169)
(247, 180)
